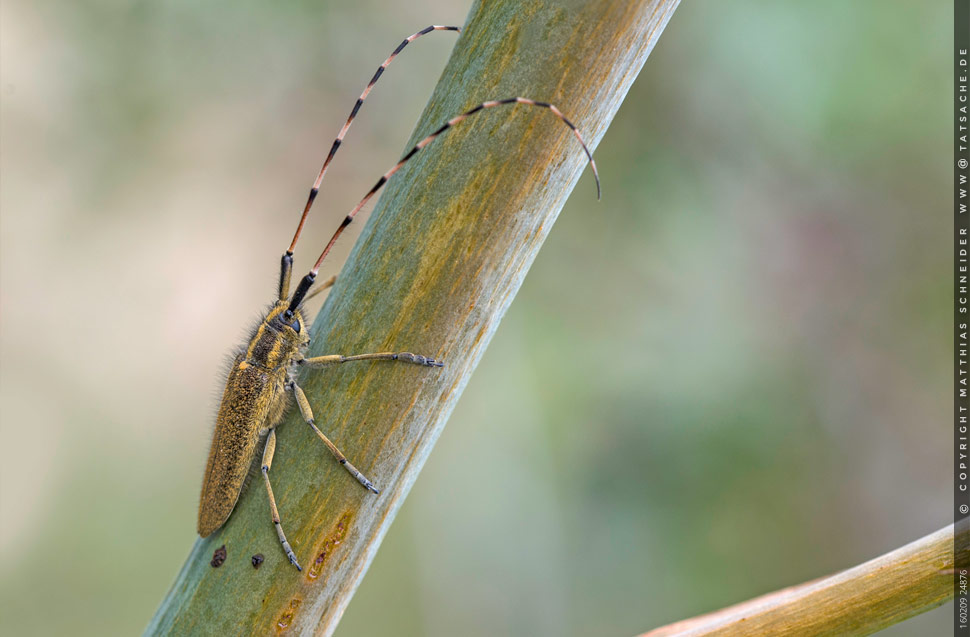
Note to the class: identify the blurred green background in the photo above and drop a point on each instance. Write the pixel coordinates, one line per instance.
(729, 376)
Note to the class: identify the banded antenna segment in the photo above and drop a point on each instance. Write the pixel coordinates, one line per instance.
(353, 114)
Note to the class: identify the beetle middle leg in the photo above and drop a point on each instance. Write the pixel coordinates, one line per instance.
(268, 452)
(307, 414)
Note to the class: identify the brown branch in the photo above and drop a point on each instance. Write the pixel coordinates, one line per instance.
(860, 601)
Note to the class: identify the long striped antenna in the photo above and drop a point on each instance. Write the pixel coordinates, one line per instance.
(346, 126)
(307, 280)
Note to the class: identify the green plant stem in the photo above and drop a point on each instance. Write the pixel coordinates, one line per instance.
(433, 272)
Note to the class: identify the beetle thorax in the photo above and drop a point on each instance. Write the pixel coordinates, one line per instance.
(277, 341)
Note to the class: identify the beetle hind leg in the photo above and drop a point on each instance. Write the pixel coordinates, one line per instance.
(307, 414)
(268, 452)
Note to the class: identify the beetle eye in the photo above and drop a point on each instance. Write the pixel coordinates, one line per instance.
(296, 326)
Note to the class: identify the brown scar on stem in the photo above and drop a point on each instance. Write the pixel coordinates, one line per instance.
(286, 618)
(330, 544)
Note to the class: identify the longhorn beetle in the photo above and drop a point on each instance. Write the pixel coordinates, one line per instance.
(263, 372)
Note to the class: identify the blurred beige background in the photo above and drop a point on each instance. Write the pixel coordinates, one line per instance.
(729, 376)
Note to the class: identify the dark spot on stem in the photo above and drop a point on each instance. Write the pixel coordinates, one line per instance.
(218, 557)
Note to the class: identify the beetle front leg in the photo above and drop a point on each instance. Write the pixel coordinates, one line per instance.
(268, 450)
(404, 357)
(320, 288)
(307, 414)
